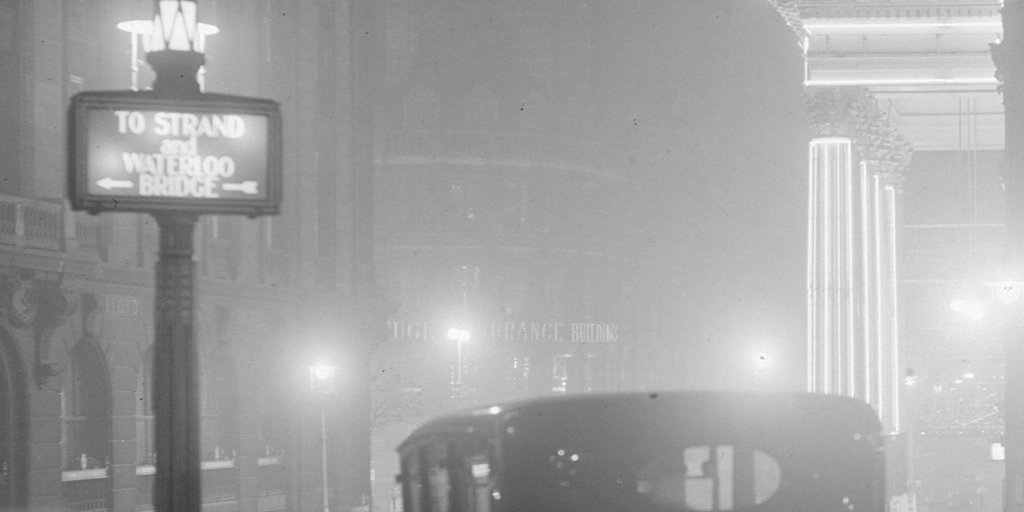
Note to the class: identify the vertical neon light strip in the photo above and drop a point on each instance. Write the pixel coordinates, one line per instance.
(879, 328)
(848, 267)
(806, 46)
(865, 227)
(894, 297)
(812, 262)
(826, 331)
(830, 253)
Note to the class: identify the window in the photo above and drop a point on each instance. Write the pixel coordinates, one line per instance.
(450, 475)
(218, 408)
(86, 408)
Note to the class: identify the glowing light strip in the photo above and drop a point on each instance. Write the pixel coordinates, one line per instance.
(827, 273)
(831, 361)
(812, 293)
(894, 293)
(879, 334)
(806, 47)
(851, 363)
(995, 24)
(902, 81)
(849, 238)
(866, 278)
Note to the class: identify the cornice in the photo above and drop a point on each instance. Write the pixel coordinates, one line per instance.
(896, 10)
(790, 12)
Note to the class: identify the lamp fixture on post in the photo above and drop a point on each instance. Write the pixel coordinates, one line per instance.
(141, 32)
(175, 47)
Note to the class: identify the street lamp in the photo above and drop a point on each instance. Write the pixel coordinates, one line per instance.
(970, 309)
(322, 382)
(142, 30)
(459, 335)
(763, 363)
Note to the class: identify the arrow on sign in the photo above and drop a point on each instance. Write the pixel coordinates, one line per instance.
(245, 187)
(109, 183)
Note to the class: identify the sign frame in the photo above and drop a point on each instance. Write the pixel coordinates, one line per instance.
(88, 103)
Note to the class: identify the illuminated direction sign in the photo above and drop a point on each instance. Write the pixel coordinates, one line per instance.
(215, 154)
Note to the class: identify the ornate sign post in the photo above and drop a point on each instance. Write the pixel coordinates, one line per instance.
(176, 153)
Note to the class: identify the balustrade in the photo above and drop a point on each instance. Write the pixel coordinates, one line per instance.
(86, 490)
(31, 223)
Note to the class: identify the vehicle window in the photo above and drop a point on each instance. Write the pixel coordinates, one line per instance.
(471, 468)
(710, 478)
(438, 478)
(412, 484)
(450, 475)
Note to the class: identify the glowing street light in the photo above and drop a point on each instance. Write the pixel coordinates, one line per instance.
(141, 32)
(322, 382)
(763, 363)
(970, 309)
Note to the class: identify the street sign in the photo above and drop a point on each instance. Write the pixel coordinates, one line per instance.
(136, 151)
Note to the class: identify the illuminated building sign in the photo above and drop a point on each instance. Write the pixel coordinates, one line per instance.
(527, 332)
(215, 154)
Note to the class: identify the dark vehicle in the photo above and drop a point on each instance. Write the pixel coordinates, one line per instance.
(678, 451)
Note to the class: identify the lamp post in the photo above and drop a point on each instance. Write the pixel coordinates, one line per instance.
(177, 485)
(109, 122)
(321, 383)
(1007, 56)
(459, 335)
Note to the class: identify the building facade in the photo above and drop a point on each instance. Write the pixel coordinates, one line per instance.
(77, 290)
(928, 66)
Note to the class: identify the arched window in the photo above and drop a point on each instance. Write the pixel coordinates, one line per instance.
(481, 110)
(86, 408)
(219, 407)
(421, 109)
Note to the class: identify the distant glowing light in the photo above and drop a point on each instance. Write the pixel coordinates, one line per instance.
(481, 471)
(763, 363)
(1007, 292)
(176, 26)
(322, 378)
(494, 410)
(971, 310)
(460, 335)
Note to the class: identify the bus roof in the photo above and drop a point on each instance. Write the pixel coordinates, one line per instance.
(489, 416)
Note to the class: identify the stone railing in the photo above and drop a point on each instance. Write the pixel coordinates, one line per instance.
(86, 490)
(31, 223)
